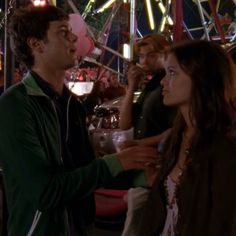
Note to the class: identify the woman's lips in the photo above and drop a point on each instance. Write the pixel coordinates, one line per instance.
(164, 92)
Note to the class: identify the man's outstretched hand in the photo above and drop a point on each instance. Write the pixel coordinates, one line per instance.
(138, 157)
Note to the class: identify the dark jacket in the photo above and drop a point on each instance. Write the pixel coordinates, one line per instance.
(150, 116)
(205, 195)
(38, 188)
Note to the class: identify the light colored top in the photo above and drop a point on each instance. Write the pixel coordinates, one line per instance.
(172, 208)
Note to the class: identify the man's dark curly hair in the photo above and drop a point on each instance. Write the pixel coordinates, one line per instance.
(31, 22)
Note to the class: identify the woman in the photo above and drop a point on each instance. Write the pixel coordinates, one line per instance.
(193, 193)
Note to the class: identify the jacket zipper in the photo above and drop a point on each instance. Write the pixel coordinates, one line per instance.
(67, 118)
(58, 130)
(38, 213)
(59, 134)
(35, 222)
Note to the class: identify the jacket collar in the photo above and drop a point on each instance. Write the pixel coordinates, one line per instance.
(32, 87)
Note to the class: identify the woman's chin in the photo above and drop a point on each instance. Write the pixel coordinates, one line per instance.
(167, 102)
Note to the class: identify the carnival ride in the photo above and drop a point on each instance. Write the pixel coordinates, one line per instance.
(177, 20)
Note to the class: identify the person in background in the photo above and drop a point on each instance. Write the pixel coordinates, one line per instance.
(49, 167)
(114, 89)
(148, 115)
(193, 190)
(17, 76)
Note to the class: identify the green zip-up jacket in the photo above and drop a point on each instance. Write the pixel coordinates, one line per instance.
(38, 189)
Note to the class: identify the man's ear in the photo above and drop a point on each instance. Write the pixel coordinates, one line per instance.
(35, 44)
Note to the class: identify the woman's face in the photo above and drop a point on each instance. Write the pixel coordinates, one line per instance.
(176, 84)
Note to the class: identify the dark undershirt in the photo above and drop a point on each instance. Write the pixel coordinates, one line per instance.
(60, 102)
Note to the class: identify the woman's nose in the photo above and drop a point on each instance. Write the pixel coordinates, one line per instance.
(164, 80)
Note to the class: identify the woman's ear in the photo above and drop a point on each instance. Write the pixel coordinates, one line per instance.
(36, 45)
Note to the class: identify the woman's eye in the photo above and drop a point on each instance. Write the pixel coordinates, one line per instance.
(172, 73)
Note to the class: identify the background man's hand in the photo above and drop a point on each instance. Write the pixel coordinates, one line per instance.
(135, 74)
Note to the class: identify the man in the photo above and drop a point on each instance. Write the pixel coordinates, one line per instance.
(114, 90)
(48, 164)
(148, 115)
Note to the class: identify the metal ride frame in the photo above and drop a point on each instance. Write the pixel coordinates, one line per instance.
(169, 9)
(210, 23)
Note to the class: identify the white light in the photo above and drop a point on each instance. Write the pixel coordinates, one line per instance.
(80, 88)
(106, 5)
(126, 50)
(162, 8)
(36, 3)
(42, 3)
(150, 15)
(163, 24)
(170, 21)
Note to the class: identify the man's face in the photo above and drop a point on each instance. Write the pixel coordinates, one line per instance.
(150, 60)
(59, 49)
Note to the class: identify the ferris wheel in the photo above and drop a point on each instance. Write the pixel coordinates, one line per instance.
(177, 20)
(214, 22)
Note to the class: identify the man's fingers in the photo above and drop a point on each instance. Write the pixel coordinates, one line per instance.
(139, 157)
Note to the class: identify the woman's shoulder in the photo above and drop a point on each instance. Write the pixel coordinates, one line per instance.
(224, 145)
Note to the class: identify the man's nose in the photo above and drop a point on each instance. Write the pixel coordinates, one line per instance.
(73, 37)
(143, 60)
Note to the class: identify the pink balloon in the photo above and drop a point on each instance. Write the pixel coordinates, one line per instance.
(84, 46)
(77, 24)
(84, 43)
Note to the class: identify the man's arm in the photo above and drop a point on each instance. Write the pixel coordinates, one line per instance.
(34, 171)
(150, 141)
(134, 75)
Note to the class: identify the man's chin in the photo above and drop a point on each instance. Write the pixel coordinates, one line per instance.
(149, 73)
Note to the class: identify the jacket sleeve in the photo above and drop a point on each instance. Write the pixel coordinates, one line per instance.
(26, 166)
